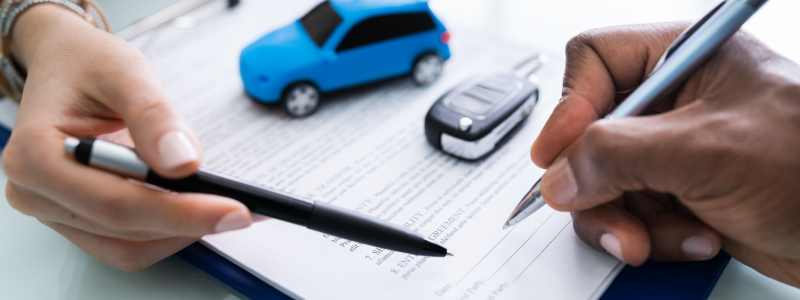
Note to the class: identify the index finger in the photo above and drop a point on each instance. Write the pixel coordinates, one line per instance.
(602, 65)
(113, 201)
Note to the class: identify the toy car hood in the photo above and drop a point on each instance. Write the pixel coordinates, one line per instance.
(289, 41)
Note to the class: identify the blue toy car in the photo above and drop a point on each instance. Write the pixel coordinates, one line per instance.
(344, 43)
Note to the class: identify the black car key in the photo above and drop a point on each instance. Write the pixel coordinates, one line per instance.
(471, 119)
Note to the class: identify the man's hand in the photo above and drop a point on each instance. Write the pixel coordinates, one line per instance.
(717, 167)
(84, 82)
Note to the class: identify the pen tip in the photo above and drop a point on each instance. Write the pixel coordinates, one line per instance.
(450, 254)
(433, 249)
(506, 225)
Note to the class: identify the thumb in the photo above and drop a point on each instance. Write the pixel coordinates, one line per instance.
(601, 64)
(615, 156)
(162, 136)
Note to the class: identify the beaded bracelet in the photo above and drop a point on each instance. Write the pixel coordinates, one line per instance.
(12, 80)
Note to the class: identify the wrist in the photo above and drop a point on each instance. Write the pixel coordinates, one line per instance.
(35, 30)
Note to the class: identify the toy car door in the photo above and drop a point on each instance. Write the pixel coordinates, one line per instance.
(379, 47)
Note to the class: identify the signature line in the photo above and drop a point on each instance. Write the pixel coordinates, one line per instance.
(540, 253)
(523, 244)
(487, 254)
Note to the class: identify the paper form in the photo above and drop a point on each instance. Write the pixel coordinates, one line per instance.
(365, 150)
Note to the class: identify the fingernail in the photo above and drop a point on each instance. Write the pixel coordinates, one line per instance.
(559, 183)
(233, 220)
(698, 246)
(611, 243)
(175, 150)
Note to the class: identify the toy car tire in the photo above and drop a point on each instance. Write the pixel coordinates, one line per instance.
(427, 69)
(301, 99)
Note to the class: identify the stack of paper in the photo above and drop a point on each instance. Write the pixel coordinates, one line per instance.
(365, 150)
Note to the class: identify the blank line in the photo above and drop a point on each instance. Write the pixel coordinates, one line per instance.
(540, 253)
(523, 244)
(487, 254)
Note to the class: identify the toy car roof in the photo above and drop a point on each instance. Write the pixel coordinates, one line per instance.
(362, 8)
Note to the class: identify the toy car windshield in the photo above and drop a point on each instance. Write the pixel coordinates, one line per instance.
(320, 22)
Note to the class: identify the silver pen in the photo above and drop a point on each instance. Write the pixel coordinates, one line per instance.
(682, 58)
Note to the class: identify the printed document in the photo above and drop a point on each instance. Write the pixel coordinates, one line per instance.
(365, 150)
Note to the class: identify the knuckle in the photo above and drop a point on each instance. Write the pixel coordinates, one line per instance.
(609, 159)
(578, 43)
(24, 160)
(17, 201)
(713, 146)
(149, 110)
(601, 142)
(578, 50)
(14, 161)
(589, 39)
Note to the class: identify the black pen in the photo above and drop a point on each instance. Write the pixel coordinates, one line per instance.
(686, 54)
(313, 215)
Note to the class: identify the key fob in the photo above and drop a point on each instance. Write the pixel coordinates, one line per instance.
(471, 119)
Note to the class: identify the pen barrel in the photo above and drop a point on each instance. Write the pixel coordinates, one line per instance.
(107, 156)
(261, 200)
(755, 4)
(316, 216)
(273, 203)
(357, 227)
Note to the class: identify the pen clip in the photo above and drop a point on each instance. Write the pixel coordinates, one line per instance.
(683, 37)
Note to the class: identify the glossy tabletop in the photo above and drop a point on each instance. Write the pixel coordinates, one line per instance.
(37, 263)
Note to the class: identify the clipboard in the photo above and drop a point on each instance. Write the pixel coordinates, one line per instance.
(653, 280)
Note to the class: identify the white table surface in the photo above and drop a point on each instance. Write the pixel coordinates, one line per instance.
(37, 263)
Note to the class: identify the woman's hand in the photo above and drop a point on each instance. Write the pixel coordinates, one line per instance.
(83, 82)
(717, 168)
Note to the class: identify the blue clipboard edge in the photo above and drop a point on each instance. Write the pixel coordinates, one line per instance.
(653, 280)
(229, 273)
(5, 134)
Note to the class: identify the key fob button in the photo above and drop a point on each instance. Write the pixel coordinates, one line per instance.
(464, 124)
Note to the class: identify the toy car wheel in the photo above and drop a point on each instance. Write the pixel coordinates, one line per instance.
(301, 100)
(427, 69)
